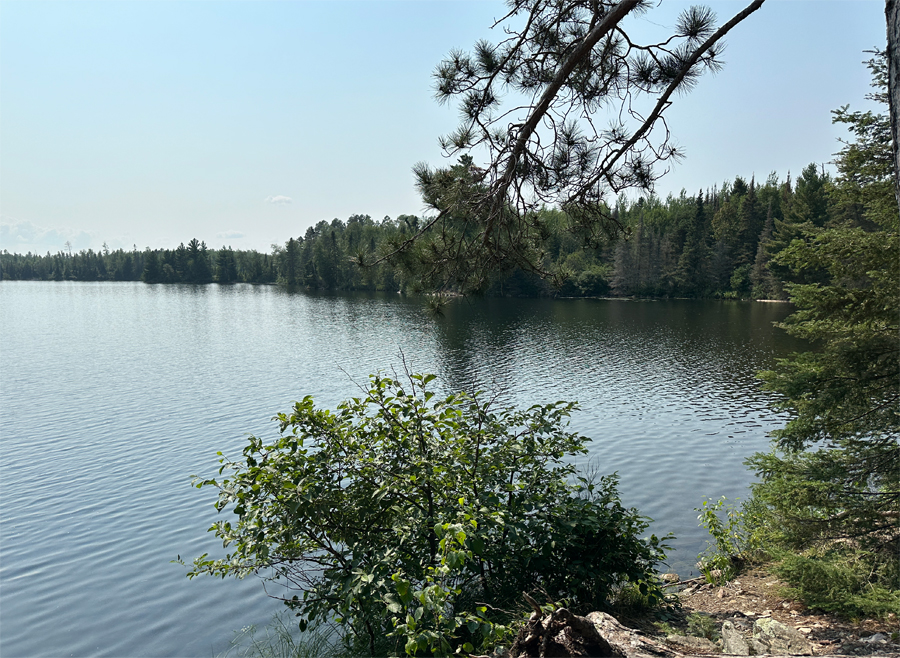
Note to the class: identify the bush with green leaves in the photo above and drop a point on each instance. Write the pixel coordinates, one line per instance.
(719, 562)
(417, 520)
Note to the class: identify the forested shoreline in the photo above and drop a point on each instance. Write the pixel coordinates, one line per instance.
(718, 243)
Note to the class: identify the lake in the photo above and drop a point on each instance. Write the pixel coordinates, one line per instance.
(113, 394)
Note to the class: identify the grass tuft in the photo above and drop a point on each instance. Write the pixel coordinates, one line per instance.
(281, 638)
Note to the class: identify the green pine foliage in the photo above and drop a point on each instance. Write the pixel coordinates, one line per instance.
(194, 263)
(721, 243)
(829, 492)
(86, 265)
(848, 582)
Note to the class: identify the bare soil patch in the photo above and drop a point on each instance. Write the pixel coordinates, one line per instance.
(757, 593)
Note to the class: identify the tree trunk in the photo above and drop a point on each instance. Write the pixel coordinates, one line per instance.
(892, 13)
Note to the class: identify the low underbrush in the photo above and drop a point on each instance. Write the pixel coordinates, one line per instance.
(841, 580)
(832, 576)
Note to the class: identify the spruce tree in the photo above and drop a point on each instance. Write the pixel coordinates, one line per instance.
(151, 273)
(831, 487)
(691, 277)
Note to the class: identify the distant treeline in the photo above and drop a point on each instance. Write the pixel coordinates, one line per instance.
(194, 263)
(719, 243)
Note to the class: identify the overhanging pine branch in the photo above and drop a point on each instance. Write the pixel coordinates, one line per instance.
(590, 40)
(673, 86)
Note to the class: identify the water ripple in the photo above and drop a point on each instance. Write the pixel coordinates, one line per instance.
(112, 395)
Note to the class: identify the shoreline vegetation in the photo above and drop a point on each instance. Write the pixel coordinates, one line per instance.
(695, 625)
(721, 243)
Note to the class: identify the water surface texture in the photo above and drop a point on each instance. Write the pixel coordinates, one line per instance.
(113, 394)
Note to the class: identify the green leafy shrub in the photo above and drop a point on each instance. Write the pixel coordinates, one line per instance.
(722, 557)
(418, 520)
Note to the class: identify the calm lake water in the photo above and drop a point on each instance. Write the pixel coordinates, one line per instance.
(113, 394)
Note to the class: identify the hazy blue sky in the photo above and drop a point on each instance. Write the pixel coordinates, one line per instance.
(243, 123)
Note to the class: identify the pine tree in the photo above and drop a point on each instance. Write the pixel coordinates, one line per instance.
(751, 224)
(151, 273)
(832, 486)
(765, 286)
(289, 263)
(226, 266)
(691, 277)
(197, 269)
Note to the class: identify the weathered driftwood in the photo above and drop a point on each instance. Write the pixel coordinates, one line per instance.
(559, 633)
(562, 634)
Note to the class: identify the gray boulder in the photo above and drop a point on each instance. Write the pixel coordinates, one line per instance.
(733, 641)
(770, 636)
(691, 644)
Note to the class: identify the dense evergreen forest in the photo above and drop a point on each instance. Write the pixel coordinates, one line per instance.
(718, 243)
(194, 263)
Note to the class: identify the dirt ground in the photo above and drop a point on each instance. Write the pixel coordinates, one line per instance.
(756, 593)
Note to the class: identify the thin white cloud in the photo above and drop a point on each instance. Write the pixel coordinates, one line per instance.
(230, 235)
(19, 236)
(279, 200)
